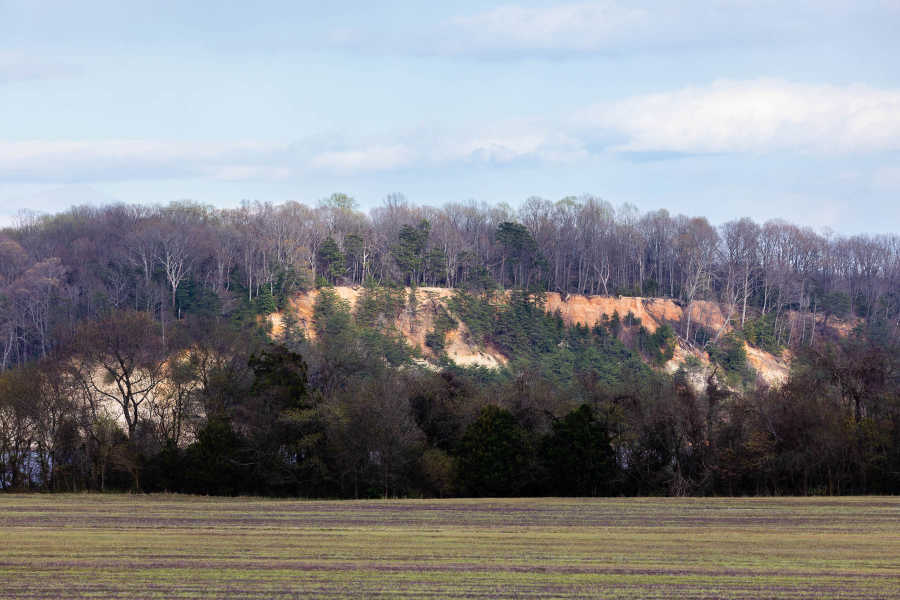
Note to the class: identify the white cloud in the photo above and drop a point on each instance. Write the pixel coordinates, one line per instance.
(627, 25)
(250, 173)
(365, 160)
(136, 159)
(756, 116)
(106, 160)
(496, 143)
(517, 140)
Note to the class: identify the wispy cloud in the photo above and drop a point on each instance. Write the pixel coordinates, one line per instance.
(600, 26)
(578, 27)
(755, 116)
(728, 117)
(367, 159)
(24, 67)
(133, 159)
(496, 143)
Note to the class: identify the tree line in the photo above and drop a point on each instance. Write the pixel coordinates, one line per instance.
(778, 281)
(136, 355)
(223, 410)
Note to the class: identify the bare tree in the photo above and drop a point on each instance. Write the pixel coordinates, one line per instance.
(120, 359)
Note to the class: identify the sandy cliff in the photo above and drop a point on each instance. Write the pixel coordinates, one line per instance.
(653, 312)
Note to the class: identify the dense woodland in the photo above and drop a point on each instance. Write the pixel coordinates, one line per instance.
(134, 353)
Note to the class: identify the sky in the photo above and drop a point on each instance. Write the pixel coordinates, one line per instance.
(722, 108)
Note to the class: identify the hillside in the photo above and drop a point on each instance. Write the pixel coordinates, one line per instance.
(574, 309)
(136, 352)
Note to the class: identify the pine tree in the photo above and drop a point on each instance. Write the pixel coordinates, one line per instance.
(265, 301)
(333, 261)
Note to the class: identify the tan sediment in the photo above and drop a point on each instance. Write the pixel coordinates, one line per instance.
(653, 312)
(458, 345)
(772, 369)
(586, 310)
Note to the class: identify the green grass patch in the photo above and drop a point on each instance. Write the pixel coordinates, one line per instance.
(164, 546)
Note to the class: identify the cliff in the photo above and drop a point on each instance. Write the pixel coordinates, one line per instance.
(587, 310)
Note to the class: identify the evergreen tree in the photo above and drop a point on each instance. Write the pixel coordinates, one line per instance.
(213, 462)
(436, 266)
(265, 301)
(409, 251)
(282, 375)
(165, 471)
(492, 455)
(354, 246)
(332, 261)
(194, 299)
(520, 248)
(615, 324)
(578, 455)
(292, 335)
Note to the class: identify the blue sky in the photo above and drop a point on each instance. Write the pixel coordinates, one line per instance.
(724, 108)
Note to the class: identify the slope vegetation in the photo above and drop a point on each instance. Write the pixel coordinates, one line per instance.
(463, 349)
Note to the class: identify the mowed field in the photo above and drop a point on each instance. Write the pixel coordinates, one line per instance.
(105, 546)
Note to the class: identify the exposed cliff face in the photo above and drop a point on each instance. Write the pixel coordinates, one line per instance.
(459, 345)
(653, 312)
(586, 310)
(772, 369)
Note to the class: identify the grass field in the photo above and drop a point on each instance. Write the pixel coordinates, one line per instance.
(92, 546)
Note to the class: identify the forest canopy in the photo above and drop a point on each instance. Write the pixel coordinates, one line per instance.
(136, 353)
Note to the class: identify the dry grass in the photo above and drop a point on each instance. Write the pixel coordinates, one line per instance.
(84, 546)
